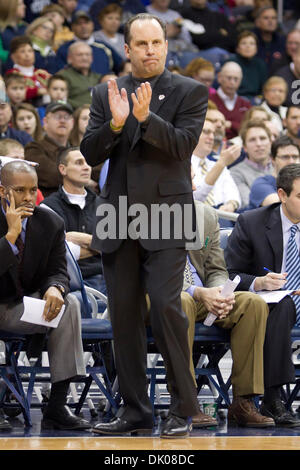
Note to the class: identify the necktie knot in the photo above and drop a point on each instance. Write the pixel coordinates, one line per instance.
(294, 230)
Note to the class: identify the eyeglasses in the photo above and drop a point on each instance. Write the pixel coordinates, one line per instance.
(62, 117)
(295, 158)
(51, 30)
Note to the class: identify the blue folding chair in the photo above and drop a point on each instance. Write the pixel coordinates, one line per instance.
(95, 332)
(10, 374)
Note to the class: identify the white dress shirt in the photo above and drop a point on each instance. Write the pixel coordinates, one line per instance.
(224, 189)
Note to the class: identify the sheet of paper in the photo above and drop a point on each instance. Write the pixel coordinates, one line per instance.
(33, 313)
(273, 296)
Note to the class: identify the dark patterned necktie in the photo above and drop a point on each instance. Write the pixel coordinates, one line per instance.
(293, 269)
(20, 245)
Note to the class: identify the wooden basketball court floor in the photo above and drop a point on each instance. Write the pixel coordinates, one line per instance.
(212, 439)
(221, 438)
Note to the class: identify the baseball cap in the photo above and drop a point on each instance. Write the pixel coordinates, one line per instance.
(80, 14)
(59, 106)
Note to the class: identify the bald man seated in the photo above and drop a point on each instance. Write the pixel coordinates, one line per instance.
(33, 263)
(227, 100)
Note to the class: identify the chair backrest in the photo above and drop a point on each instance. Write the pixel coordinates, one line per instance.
(77, 284)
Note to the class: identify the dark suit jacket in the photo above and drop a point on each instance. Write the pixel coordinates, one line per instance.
(44, 260)
(256, 241)
(149, 165)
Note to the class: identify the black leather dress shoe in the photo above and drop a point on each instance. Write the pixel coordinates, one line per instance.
(4, 424)
(121, 426)
(279, 413)
(175, 427)
(62, 418)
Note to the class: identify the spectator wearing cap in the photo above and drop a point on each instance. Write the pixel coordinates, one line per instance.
(105, 58)
(63, 33)
(80, 77)
(6, 131)
(271, 44)
(58, 124)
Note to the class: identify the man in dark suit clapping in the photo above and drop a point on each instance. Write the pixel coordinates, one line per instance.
(147, 124)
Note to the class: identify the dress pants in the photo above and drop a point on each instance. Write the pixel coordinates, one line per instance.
(247, 321)
(279, 368)
(64, 343)
(131, 272)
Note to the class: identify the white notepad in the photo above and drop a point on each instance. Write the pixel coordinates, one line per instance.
(33, 313)
(274, 296)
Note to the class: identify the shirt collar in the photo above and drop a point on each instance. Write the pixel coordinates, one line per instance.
(226, 97)
(286, 223)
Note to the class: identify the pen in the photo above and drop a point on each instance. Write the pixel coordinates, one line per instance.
(267, 269)
(270, 271)
(206, 242)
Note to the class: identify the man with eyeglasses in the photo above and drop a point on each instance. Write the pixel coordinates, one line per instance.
(264, 191)
(58, 123)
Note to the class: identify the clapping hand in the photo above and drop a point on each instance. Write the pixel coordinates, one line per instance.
(141, 101)
(118, 103)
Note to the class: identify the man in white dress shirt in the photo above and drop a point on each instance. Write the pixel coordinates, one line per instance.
(214, 183)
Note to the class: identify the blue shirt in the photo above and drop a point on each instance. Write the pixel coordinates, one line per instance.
(20, 136)
(196, 279)
(260, 189)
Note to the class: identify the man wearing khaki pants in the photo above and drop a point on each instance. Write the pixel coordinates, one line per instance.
(244, 313)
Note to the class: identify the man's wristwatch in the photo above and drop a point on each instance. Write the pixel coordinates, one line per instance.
(61, 288)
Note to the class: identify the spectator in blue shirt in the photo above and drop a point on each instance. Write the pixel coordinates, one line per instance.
(7, 132)
(264, 190)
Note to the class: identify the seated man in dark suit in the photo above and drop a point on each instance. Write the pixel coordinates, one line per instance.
(33, 263)
(267, 239)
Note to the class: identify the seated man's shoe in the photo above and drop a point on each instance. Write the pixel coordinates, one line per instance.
(243, 412)
(174, 427)
(4, 424)
(122, 426)
(201, 420)
(279, 413)
(62, 418)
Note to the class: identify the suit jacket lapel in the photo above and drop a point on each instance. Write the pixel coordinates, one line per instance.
(160, 93)
(275, 237)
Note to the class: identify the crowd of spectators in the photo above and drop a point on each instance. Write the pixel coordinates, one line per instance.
(54, 52)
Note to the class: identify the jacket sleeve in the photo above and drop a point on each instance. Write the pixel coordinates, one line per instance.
(180, 138)
(239, 254)
(99, 140)
(57, 265)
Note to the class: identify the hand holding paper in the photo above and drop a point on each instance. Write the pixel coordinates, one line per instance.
(228, 289)
(34, 313)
